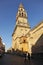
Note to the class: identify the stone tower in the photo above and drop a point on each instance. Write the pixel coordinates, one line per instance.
(19, 38)
(24, 38)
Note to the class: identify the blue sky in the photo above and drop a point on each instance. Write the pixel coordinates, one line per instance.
(8, 10)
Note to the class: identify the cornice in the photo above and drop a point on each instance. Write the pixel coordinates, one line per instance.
(38, 29)
(23, 26)
(19, 37)
(37, 26)
(19, 26)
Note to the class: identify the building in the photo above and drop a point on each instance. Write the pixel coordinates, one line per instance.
(24, 38)
(2, 46)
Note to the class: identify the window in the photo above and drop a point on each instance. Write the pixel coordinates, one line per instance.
(24, 41)
(21, 9)
(22, 14)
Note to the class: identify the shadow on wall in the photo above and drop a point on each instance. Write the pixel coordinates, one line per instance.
(37, 49)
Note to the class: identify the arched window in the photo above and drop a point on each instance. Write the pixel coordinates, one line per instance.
(22, 13)
(24, 41)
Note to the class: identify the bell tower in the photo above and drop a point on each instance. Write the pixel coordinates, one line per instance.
(21, 29)
(21, 17)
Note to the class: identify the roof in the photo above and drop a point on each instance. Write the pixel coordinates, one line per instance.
(37, 26)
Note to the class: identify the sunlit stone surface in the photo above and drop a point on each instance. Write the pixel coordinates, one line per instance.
(24, 38)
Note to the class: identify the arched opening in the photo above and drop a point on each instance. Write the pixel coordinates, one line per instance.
(22, 13)
(22, 49)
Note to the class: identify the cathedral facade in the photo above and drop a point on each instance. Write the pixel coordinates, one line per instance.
(24, 38)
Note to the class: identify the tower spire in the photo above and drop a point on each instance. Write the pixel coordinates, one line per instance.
(21, 5)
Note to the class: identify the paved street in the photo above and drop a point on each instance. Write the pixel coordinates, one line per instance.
(9, 59)
(12, 60)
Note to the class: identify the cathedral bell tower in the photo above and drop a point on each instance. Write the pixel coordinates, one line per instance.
(19, 39)
(21, 17)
